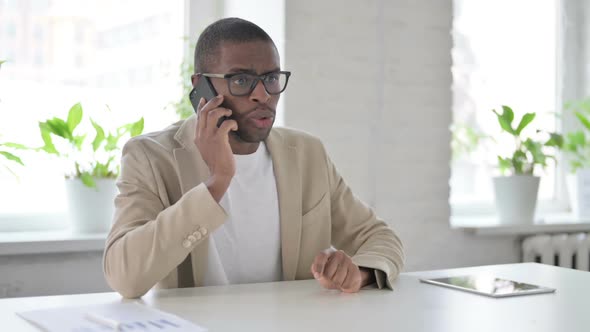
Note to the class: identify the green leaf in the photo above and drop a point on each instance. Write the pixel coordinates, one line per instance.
(575, 165)
(504, 164)
(136, 128)
(15, 146)
(2, 61)
(112, 142)
(96, 168)
(583, 119)
(555, 140)
(575, 139)
(99, 138)
(505, 119)
(78, 141)
(88, 180)
(519, 161)
(508, 113)
(59, 128)
(74, 117)
(46, 136)
(102, 170)
(12, 157)
(526, 119)
(536, 150)
(108, 163)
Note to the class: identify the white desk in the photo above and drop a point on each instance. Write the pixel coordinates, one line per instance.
(413, 306)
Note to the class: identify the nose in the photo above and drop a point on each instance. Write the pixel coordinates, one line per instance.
(259, 94)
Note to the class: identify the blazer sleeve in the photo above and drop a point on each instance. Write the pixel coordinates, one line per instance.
(358, 231)
(148, 240)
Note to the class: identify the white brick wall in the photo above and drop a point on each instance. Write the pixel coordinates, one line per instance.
(372, 79)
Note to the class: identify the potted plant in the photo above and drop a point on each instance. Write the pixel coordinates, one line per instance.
(516, 190)
(93, 168)
(577, 148)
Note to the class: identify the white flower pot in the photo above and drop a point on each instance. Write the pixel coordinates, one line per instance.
(578, 187)
(516, 198)
(91, 209)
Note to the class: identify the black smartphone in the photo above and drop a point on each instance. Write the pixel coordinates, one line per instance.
(204, 89)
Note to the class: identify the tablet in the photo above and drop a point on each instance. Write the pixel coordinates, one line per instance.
(489, 285)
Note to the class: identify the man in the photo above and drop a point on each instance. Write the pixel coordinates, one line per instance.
(208, 203)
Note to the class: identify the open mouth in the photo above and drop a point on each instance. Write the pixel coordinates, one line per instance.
(262, 118)
(263, 122)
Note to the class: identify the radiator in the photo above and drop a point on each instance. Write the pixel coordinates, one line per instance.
(565, 250)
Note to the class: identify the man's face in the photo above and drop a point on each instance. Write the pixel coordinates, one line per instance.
(255, 113)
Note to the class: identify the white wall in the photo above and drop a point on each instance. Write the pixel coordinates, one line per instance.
(372, 79)
(51, 274)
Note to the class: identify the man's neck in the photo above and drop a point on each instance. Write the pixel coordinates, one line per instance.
(240, 147)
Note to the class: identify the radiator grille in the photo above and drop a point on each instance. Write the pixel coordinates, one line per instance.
(565, 250)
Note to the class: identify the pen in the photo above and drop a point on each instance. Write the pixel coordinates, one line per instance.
(104, 321)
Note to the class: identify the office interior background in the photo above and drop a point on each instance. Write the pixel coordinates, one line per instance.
(381, 82)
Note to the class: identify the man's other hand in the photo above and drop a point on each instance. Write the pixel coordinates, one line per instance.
(334, 269)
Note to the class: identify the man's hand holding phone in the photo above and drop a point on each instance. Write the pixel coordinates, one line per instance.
(213, 143)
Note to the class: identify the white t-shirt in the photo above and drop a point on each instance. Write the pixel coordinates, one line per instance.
(247, 247)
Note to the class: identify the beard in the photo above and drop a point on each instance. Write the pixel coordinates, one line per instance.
(247, 131)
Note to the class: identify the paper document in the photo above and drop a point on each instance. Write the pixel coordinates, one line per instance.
(108, 317)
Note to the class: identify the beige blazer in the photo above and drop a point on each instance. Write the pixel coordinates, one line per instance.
(163, 201)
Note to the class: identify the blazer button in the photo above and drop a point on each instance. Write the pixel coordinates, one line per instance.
(186, 243)
(197, 235)
(203, 231)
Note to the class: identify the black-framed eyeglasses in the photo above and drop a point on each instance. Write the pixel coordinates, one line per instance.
(242, 84)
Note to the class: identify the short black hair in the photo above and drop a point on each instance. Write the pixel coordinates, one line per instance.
(230, 29)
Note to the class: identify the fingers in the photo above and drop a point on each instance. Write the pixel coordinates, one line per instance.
(203, 110)
(202, 103)
(317, 267)
(335, 269)
(352, 283)
(213, 117)
(335, 260)
(227, 126)
(208, 114)
(340, 275)
(200, 124)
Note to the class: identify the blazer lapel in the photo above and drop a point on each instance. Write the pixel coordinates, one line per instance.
(192, 171)
(287, 176)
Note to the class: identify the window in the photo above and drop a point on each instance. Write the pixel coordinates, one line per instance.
(10, 29)
(124, 54)
(505, 53)
(96, 52)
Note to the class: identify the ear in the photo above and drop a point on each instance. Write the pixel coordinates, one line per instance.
(195, 79)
